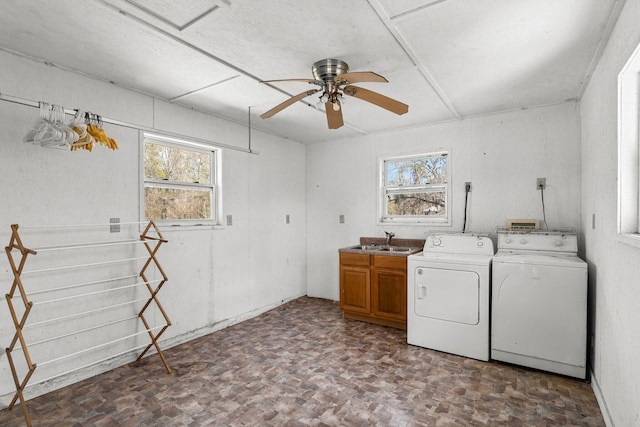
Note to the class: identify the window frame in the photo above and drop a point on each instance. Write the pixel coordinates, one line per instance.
(215, 184)
(384, 219)
(628, 218)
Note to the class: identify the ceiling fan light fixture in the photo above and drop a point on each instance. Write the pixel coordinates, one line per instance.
(322, 99)
(334, 81)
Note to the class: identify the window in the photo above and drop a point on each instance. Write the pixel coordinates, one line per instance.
(415, 188)
(179, 181)
(628, 147)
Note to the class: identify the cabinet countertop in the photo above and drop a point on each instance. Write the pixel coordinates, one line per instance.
(376, 244)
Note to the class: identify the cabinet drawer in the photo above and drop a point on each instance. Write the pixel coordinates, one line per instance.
(354, 259)
(398, 262)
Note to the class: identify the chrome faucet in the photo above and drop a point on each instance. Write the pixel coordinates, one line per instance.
(389, 237)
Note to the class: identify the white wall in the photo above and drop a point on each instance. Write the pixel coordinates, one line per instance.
(614, 267)
(501, 155)
(216, 277)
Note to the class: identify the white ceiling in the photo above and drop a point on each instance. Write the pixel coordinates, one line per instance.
(446, 59)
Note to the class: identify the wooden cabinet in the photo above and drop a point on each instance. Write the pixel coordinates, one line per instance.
(373, 288)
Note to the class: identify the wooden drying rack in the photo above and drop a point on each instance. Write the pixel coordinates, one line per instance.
(152, 245)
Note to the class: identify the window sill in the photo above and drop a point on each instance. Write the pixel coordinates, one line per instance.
(443, 223)
(188, 227)
(631, 239)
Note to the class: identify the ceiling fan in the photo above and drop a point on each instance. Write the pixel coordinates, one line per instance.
(335, 80)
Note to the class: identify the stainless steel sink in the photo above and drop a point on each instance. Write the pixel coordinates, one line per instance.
(395, 249)
(366, 247)
(383, 248)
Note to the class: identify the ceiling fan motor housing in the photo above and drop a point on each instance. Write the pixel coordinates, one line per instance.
(326, 69)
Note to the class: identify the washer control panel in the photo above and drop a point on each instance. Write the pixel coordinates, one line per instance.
(549, 241)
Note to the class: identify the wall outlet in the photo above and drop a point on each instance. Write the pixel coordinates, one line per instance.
(541, 184)
(467, 187)
(341, 219)
(229, 219)
(115, 225)
(287, 219)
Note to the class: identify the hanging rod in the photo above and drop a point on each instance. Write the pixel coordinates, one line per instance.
(83, 265)
(104, 224)
(103, 291)
(71, 246)
(79, 285)
(83, 313)
(80, 331)
(66, 356)
(77, 368)
(212, 144)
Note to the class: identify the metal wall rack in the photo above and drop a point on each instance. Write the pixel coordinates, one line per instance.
(20, 306)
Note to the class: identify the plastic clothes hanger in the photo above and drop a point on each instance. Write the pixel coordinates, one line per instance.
(44, 131)
(58, 120)
(96, 130)
(79, 126)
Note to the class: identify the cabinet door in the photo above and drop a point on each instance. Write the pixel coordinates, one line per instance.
(390, 294)
(355, 289)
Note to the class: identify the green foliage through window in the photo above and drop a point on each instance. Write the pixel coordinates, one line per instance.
(415, 188)
(178, 182)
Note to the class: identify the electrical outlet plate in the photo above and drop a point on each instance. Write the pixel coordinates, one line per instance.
(541, 183)
(467, 185)
(115, 225)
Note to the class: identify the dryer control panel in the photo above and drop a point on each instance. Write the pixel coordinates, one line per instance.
(459, 243)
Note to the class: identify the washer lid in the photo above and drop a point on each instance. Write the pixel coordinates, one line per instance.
(538, 258)
(449, 258)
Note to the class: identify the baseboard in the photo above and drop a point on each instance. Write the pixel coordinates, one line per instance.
(602, 403)
(117, 361)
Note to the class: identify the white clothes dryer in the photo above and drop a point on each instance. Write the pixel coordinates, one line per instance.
(539, 302)
(448, 294)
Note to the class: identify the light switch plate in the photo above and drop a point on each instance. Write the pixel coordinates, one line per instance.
(115, 225)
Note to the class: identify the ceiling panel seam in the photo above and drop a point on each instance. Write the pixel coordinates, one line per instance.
(199, 17)
(193, 92)
(184, 43)
(168, 21)
(602, 43)
(210, 113)
(152, 96)
(408, 49)
(204, 53)
(407, 13)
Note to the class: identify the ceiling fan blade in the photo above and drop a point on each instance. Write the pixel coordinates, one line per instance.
(288, 102)
(288, 80)
(377, 99)
(360, 76)
(334, 118)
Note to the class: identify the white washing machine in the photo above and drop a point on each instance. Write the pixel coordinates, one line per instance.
(448, 293)
(539, 302)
